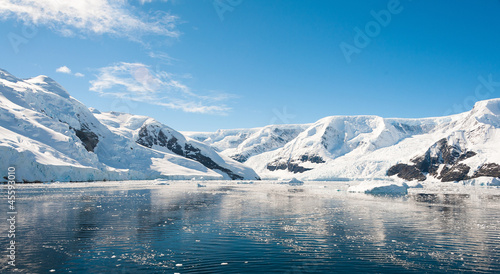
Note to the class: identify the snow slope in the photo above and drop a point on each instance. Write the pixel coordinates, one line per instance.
(347, 147)
(343, 147)
(47, 135)
(244, 143)
(150, 133)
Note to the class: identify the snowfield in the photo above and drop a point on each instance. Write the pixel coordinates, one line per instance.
(48, 136)
(453, 148)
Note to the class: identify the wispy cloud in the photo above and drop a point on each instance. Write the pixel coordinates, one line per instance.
(66, 70)
(90, 17)
(137, 82)
(162, 56)
(149, 1)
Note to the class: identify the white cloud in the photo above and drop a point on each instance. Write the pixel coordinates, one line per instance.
(64, 69)
(90, 17)
(149, 1)
(137, 82)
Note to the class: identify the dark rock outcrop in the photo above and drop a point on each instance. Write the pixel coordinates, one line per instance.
(312, 158)
(148, 138)
(489, 170)
(455, 173)
(240, 158)
(89, 139)
(448, 155)
(407, 172)
(292, 167)
(441, 153)
(194, 153)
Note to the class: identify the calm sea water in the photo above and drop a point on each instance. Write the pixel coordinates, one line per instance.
(227, 227)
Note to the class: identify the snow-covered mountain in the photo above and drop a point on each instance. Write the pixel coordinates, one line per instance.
(152, 134)
(47, 135)
(451, 148)
(242, 144)
(469, 149)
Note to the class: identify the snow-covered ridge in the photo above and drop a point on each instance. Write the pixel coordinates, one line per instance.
(340, 147)
(47, 135)
(241, 144)
(150, 133)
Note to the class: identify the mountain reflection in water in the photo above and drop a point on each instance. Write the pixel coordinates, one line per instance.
(244, 228)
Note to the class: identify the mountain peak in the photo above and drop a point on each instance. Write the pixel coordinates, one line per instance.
(487, 112)
(49, 85)
(492, 105)
(7, 76)
(48, 135)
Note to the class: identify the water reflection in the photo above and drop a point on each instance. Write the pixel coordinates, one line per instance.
(262, 227)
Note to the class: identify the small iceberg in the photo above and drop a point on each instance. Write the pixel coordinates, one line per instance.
(245, 183)
(494, 182)
(160, 182)
(200, 185)
(295, 182)
(380, 188)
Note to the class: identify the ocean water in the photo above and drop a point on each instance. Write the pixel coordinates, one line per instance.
(262, 227)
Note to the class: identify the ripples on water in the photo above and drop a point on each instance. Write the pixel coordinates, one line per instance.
(263, 227)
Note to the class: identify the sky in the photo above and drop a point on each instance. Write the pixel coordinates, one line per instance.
(204, 65)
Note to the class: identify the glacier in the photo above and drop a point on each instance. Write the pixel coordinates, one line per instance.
(441, 149)
(48, 135)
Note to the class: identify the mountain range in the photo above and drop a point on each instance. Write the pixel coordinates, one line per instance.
(47, 135)
(452, 148)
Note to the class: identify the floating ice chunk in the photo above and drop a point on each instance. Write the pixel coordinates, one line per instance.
(494, 182)
(295, 182)
(160, 182)
(380, 188)
(292, 182)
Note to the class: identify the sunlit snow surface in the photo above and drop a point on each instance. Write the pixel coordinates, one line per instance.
(253, 226)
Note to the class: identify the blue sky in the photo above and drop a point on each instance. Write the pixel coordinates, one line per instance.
(206, 65)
